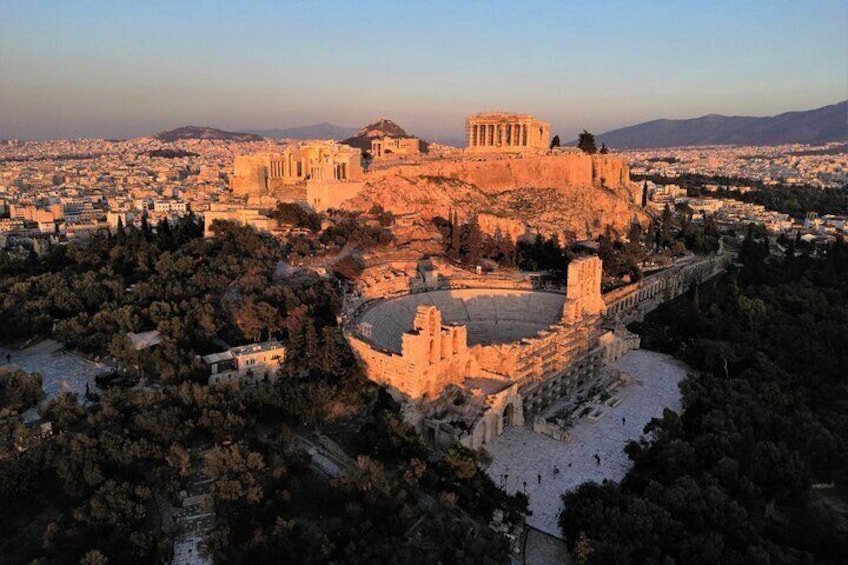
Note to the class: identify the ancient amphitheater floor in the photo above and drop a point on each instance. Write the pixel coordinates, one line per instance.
(491, 315)
(522, 455)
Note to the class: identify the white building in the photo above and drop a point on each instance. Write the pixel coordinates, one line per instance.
(170, 206)
(247, 364)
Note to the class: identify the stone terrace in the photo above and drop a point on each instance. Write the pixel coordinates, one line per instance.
(524, 455)
(491, 315)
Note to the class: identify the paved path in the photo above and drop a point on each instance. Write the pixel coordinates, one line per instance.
(60, 371)
(525, 456)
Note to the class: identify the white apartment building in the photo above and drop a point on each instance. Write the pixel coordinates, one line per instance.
(247, 364)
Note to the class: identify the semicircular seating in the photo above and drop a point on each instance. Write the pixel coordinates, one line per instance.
(491, 315)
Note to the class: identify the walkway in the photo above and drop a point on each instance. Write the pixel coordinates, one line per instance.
(521, 456)
(60, 370)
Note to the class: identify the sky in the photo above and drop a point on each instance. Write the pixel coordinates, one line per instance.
(121, 68)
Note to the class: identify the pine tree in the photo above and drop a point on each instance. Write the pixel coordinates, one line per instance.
(331, 362)
(651, 236)
(311, 345)
(294, 348)
(145, 226)
(120, 233)
(455, 232)
(665, 227)
(586, 143)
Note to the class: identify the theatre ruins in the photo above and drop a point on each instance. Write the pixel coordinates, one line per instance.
(470, 354)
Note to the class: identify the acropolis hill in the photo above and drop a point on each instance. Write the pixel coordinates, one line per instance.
(507, 174)
(549, 193)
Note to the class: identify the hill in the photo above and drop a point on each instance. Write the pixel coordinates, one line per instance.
(572, 193)
(829, 123)
(381, 128)
(203, 132)
(323, 130)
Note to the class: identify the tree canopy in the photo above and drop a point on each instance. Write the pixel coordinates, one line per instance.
(730, 480)
(586, 143)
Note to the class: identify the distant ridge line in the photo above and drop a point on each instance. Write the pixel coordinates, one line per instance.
(817, 126)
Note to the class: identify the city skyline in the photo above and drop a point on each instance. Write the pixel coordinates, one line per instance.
(94, 69)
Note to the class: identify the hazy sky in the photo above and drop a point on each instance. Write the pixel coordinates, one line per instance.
(122, 68)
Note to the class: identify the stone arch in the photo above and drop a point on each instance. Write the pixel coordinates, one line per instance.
(482, 430)
(508, 415)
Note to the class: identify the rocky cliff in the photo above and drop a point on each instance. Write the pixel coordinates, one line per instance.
(571, 192)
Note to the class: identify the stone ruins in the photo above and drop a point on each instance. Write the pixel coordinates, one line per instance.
(515, 185)
(321, 174)
(507, 132)
(470, 354)
(388, 147)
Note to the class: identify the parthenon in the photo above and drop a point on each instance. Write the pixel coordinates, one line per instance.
(504, 131)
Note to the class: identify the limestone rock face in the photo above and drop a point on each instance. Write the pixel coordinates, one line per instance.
(575, 193)
(506, 227)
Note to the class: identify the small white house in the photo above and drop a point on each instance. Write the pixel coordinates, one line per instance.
(246, 364)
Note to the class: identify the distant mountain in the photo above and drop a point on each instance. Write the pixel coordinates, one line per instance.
(315, 131)
(381, 128)
(202, 132)
(821, 125)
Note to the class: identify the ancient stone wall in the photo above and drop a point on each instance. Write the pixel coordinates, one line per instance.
(555, 193)
(432, 356)
(263, 173)
(250, 173)
(529, 171)
(322, 195)
(643, 296)
(388, 147)
(504, 409)
(584, 289)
